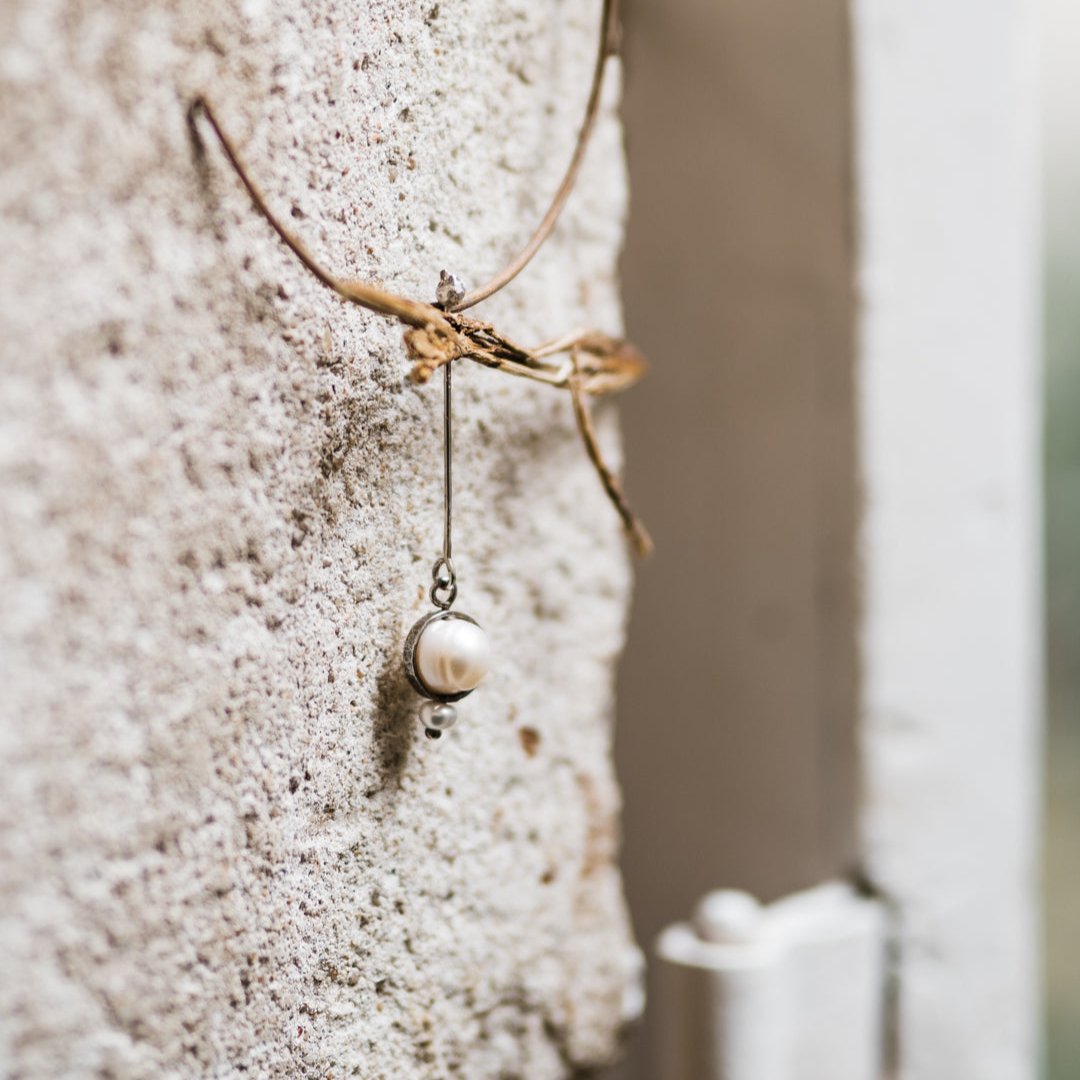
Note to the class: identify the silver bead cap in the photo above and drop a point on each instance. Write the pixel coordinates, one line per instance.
(450, 291)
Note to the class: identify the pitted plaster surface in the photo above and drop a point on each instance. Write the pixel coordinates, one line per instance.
(225, 847)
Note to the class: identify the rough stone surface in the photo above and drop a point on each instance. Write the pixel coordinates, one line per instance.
(225, 846)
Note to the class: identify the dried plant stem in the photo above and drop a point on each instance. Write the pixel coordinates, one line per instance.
(411, 312)
(592, 363)
(635, 528)
(609, 22)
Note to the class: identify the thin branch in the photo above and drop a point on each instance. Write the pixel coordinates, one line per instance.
(559, 344)
(605, 365)
(598, 364)
(438, 337)
(609, 23)
(411, 312)
(602, 365)
(635, 529)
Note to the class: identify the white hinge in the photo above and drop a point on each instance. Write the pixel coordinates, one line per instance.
(793, 990)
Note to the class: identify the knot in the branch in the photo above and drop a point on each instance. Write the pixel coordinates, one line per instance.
(431, 347)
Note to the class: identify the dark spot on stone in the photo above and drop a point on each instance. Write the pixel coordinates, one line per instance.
(530, 740)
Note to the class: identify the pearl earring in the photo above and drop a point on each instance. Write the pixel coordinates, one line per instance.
(446, 653)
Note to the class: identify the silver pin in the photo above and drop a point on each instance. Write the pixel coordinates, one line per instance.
(446, 652)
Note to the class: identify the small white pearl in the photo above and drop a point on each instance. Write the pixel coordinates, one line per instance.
(438, 715)
(452, 656)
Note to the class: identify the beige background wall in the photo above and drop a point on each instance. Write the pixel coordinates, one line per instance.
(737, 690)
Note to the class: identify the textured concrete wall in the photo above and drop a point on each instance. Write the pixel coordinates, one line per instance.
(225, 846)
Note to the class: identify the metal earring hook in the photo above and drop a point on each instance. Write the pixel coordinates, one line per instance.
(444, 578)
(446, 652)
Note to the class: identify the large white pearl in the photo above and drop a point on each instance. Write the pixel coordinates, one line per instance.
(452, 656)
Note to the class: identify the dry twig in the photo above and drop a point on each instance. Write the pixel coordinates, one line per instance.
(583, 362)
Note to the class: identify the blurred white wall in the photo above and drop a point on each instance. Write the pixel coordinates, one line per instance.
(1061, 123)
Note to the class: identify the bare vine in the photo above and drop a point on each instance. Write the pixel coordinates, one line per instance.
(585, 362)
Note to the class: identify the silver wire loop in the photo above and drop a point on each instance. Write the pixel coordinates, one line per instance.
(443, 583)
